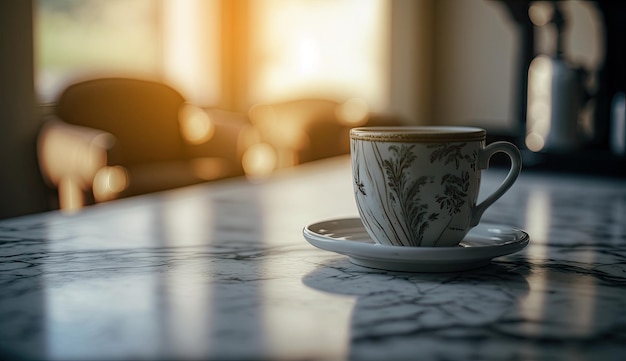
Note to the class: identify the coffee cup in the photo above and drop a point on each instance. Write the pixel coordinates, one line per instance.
(417, 186)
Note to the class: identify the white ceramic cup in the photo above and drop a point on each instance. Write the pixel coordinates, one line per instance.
(418, 186)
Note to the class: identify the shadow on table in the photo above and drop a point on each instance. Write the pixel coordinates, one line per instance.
(406, 315)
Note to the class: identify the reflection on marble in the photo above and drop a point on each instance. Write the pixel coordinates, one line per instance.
(221, 271)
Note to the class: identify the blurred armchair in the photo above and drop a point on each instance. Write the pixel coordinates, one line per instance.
(118, 137)
(308, 129)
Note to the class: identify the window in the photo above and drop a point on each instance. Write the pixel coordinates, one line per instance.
(76, 38)
(280, 49)
(304, 48)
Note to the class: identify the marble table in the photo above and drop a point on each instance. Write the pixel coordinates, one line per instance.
(221, 271)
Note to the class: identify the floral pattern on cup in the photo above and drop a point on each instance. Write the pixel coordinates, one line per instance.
(406, 192)
(412, 193)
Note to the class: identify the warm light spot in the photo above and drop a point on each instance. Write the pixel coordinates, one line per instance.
(539, 107)
(540, 12)
(308, 56)
(535, 142)
(353, 112)
(196, 125)
(109, 182)
(259, 160)
(540, 72)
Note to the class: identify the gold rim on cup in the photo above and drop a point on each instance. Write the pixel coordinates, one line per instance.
(418, 134)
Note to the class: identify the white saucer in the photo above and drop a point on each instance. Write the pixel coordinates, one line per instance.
(482, 243)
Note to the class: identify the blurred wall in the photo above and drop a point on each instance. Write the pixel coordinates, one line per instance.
(411, 60)
(452, 62)
(21, 186)
(475, 50)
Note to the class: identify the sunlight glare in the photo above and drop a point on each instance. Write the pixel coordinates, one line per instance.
(191, 68)
(331, 48)
(540, 12)
(539, 103)
(259, 160)
(196, 125)
(535, 142)
(307, 56)
(109, 182)
(353, 112)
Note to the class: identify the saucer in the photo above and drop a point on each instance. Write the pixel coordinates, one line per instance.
(482, 243)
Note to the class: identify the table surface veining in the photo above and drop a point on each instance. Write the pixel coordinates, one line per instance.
(221, 271)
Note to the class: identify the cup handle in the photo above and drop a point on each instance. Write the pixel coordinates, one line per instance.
(483, 163)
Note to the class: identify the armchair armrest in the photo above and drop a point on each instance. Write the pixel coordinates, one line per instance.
(69, 158)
